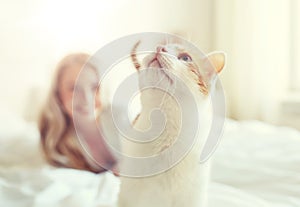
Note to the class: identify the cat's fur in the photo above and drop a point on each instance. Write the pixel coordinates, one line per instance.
(185, 184)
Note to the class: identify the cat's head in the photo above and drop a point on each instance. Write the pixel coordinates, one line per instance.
(196, 71)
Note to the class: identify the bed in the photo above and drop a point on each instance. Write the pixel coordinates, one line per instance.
(256, 164)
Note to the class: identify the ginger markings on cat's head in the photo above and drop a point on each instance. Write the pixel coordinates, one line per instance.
(184, 63)
(215, 61)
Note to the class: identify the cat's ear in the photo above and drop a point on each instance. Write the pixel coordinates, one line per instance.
(214, 61)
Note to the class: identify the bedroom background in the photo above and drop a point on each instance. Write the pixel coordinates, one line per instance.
(262, 76)
(257, 162)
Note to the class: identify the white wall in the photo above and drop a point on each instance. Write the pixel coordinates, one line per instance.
(36, 34)
(256, 35)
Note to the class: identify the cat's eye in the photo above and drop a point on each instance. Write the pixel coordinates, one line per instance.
(185, 57)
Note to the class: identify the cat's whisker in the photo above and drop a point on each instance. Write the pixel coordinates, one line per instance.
(189, 36)
(167, 39)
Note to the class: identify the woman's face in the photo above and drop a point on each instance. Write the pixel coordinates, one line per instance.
(87, 94)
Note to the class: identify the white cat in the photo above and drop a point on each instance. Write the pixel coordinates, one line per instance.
(184, 184)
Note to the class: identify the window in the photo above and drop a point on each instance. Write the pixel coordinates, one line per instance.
(295, 45)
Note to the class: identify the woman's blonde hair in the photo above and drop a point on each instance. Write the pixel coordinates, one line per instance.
(59, 148)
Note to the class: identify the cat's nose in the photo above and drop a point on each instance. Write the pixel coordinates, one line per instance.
(161, 49)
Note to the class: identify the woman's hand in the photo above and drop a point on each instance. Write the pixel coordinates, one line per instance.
(93, 142)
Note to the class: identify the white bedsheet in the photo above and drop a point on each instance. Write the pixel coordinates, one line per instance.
(259, 164)
(255, 165)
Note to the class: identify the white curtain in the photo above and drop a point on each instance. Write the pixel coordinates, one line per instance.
(256, 36)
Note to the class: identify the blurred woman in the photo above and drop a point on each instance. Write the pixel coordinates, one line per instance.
(60, 142)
